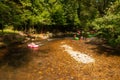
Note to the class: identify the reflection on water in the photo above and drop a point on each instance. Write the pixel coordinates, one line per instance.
(15, 56)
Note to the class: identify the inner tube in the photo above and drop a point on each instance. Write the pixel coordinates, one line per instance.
(76, 38)
(33, 45)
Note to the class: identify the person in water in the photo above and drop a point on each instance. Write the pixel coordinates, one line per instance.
(32, 45)
(77, 35)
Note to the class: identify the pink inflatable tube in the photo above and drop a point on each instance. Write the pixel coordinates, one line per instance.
(32, 45)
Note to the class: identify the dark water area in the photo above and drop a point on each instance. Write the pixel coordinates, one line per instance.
(18, 55)
(15, 56)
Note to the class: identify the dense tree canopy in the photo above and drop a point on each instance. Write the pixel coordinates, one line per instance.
(100, 15)
(108, 26)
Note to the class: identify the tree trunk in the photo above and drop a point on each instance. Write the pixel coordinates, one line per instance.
(78, 10)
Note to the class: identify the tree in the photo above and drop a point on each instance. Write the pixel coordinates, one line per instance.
(86, 12)
(4, 15)
(108, 26)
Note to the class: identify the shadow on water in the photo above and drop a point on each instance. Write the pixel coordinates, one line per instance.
(16, 56)
(105, 49)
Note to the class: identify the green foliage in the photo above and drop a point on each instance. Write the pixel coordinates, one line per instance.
(101, 15)
(27, 13)
(57, 15)
(108, 26)
(86, 12)
(4, 14)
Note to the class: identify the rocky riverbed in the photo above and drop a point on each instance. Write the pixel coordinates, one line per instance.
(52, 62)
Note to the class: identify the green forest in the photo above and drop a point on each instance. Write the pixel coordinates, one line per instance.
(101, 16)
